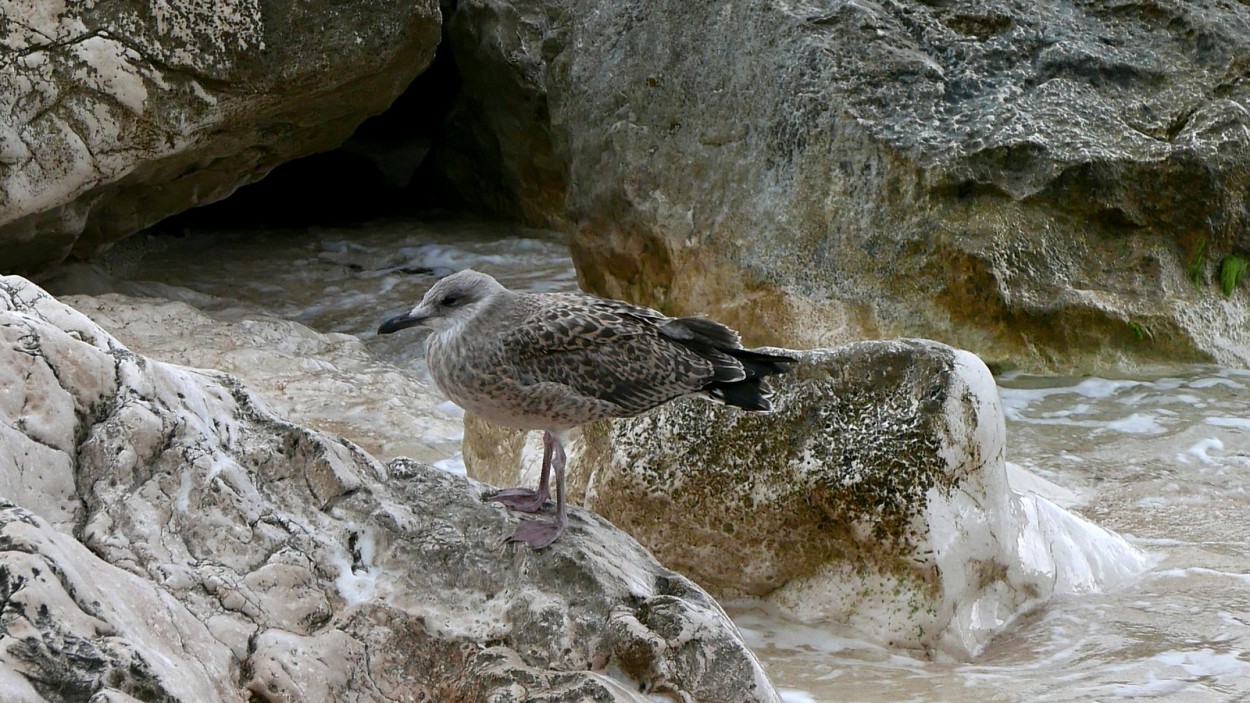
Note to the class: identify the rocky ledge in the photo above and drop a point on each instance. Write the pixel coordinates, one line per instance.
(121, 114)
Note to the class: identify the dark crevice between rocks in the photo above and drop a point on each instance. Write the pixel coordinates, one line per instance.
(375, 173)
(247, 668)
(966, 191)
(469, 136)
(99, 413)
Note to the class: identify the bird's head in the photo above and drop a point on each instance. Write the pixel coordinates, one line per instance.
(451, 302)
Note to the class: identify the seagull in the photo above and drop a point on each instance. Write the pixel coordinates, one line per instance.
(555, 361)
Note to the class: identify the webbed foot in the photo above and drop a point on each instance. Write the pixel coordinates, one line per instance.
(521, 499)
(538, 533)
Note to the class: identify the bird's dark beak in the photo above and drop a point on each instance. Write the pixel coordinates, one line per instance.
(401, 322)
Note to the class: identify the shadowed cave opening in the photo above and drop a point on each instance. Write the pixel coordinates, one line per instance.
(381, 170)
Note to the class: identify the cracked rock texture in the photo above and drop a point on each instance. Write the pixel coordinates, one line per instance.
(1036, 182)
(164, 536)
(120, 114)
(876, 494)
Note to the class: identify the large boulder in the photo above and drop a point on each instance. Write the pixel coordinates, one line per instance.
(876, 495)
(164, 536)
(1040, 183)
(121, 114)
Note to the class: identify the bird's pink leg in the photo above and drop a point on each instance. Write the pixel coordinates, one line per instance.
(524, 499)
(540, 533)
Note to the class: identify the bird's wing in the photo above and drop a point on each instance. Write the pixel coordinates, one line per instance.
(606, 350)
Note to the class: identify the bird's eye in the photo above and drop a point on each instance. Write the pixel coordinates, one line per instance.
(449, 301)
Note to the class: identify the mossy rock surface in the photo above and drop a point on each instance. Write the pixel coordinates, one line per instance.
(840, 471)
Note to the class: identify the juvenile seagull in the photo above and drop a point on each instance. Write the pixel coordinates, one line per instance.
(553, 361)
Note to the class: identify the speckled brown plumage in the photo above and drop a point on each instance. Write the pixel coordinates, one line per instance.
(553, 361)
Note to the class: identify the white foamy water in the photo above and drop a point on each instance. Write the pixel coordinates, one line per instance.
(1163, 461)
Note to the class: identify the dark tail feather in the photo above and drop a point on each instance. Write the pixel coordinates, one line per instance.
(701, 331)
(739, 373)
(752, 392)
(749, 395)
(759, 364)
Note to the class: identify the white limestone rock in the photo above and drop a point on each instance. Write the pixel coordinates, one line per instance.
(76, 627)
(190, 545)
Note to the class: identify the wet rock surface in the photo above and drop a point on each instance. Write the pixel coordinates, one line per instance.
(326, 381)
(165, 536)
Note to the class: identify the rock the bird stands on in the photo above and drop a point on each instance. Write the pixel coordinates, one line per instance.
(554, 361)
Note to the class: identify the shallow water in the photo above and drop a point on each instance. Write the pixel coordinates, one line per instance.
(333, 279)
(1162, 460)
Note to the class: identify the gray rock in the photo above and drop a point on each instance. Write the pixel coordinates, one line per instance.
(167, 537)
(497, 149)
(876, 495)
(122, 114)
(1036, 182)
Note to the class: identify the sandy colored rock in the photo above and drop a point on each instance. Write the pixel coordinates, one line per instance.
(208, 549)
(1034, 182)
(876, 495)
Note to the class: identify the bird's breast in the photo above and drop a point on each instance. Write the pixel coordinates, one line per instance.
(477, 377)
(454, 365)
(469, 374)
